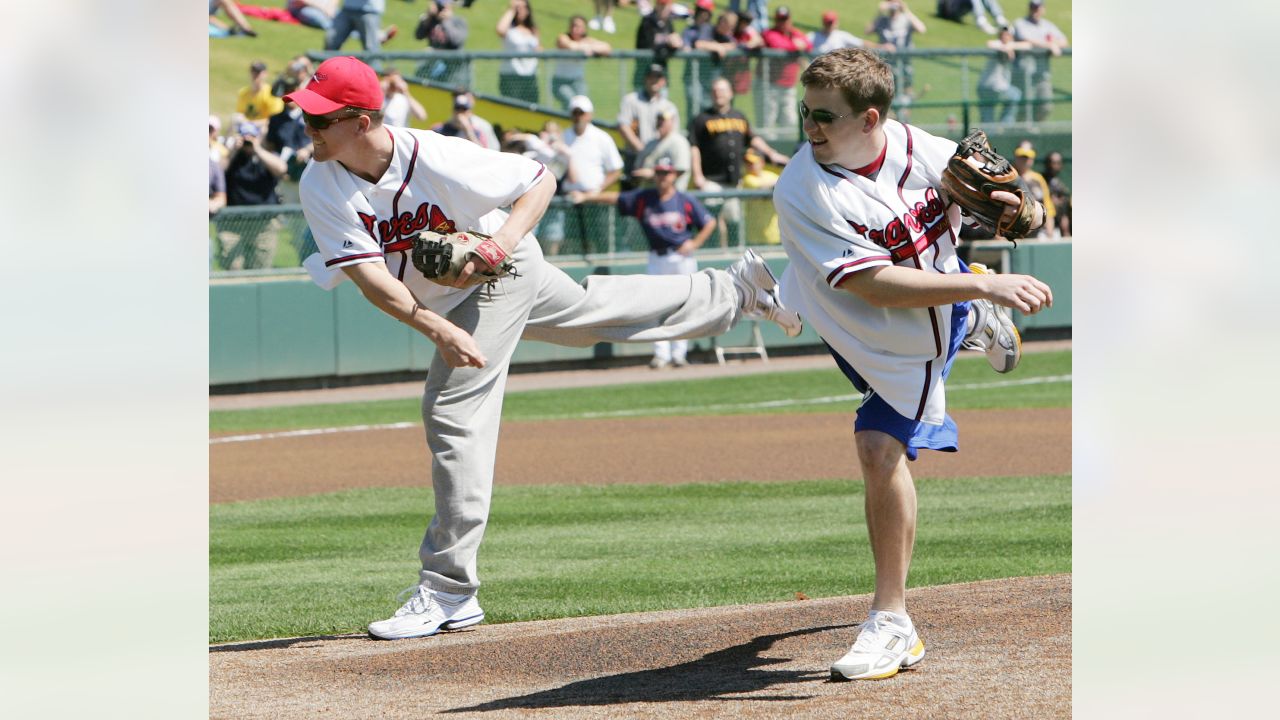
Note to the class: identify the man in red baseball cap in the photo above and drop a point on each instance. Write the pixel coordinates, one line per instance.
(368, 194)
(342, 88)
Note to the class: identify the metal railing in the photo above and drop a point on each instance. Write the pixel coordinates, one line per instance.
(937, 89)
(274, 239)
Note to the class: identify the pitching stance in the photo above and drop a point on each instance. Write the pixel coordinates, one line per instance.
(870, 225)
(412, 217)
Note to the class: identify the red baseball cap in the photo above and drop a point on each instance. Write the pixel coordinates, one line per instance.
(706, 5)
(339, 82)
(829, 16)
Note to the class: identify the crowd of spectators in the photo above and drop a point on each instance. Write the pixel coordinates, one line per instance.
(714, 148)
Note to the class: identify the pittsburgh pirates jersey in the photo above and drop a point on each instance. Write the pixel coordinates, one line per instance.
(835, 222)
(434, 183)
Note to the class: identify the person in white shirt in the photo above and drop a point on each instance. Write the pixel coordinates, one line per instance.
(1031, 70)
(873, 269)
(831, 37)
(518, 77)
(594, 164)
(398, 103)
(367, 193)
(569, 77)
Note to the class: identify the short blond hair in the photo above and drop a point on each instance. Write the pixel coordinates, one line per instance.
(861, 76)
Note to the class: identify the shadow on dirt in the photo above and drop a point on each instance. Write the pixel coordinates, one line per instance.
(727, 672)
(281, 643)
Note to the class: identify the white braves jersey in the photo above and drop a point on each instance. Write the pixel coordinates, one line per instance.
(434, 183)
(835, 222)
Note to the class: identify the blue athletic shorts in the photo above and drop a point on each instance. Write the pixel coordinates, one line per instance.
(876, 414)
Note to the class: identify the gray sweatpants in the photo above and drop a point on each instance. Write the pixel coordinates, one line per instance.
(462, 407)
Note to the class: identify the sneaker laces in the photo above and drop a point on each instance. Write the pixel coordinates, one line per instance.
(420, 602)
(869, 638)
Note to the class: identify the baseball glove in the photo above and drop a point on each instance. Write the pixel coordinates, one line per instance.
(973, 173)
(441, 257)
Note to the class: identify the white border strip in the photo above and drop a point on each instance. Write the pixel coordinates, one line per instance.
(683, 410)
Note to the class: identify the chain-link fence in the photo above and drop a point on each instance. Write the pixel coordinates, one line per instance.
(266, 239)
(936, 89)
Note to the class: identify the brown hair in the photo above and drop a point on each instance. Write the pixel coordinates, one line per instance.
(861, 76)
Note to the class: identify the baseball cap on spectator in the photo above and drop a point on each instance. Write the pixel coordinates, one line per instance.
(581, 102)
(656, 69)
(1035, 3)
(829, 17)
(708, 5)
(782, 12)
(666, 164)
(751, 156)
(215, 123)
(1025, 152)
(248, 129)
(666, 112)
(339, 82)
(463, 102)
(257, 67)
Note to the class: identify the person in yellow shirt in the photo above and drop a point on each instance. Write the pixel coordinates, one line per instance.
(256, 102)
(762, 221)
(1034, 184)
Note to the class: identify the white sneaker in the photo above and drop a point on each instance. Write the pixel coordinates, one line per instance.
(679, 362)
(992, 331)
(985, 25)
(886, 644)
(594, 23)
(608, 25)
(758, 293)
(658, 363)
(428, 612)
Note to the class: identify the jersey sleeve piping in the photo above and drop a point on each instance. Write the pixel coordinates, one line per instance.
(842, 273)
(338, 262)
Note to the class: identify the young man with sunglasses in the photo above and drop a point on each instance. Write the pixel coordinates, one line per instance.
(367, 191)
(872, 244)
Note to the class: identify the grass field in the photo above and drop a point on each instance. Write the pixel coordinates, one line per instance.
(229, 58)
(970, 387)
(329, 564)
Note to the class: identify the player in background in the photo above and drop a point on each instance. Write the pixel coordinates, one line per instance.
(675, 224)
(872, 245)
(368, 190)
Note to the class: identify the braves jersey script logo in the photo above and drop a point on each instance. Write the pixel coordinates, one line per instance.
(673, 219)
(896, 236)
(405, 224)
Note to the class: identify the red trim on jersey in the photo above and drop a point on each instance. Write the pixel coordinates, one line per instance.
(832, 172)
(408, 175)
(910, 161)
(361, 256)
(848, 267)
(398, 246)
(873, 167)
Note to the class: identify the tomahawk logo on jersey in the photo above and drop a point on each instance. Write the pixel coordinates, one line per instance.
(927, 220)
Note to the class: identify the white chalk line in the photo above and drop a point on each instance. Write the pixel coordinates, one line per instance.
(683, 410)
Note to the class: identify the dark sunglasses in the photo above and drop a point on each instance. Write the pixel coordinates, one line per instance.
(320, 122)
(822, 117)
